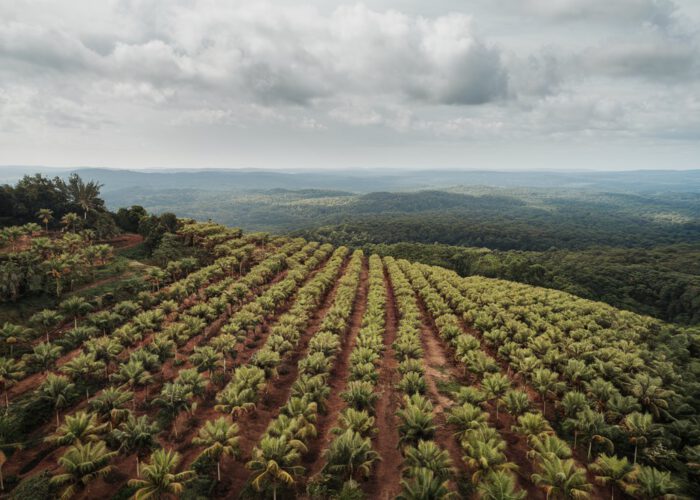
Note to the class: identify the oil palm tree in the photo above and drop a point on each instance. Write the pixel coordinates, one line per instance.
(415, 425)
(80, 428)
(652, 484)
(466, 418)
(428, 455)
(159, 477)
(75, 307)
(359, 421)
(132, 374)
(546, 383)
(11, 371)
(206, 359)
(110, 403)
(517, 402)
(423, 485)
(360, 395)
(532, 424)
(499, 485)
(650, 393)
(46, 319)
(136, 435)
(591, 426)
(495, 386)
(226, 345)
(613, 471)
(640, 430)
(572, 403)
(70, 221)
(45, 215)
(84, 368)
(14, 334)
(220, 438)
(350, 455)
(484, 456)
(174, 399)
(57, 390)
(82, 464)
(548, 445)
(275, 464)
(561, 479)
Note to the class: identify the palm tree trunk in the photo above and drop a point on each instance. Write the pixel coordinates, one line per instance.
(274, 493)
(590, 446)
(7, 401)
(58, 420)
(138, 468)
(635, 453)
(575, 438)
(218, 470)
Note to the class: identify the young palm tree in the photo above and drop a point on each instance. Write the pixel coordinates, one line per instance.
(416, 425)
(516, 402)
(82, 464)
(613, 471)
(652, 484)
(220, 437)
(132, 374)
(532, 424)
(360, 395)
(499, 485)
(70, 221)
(174, 399)
(226, 345)
(350, 455)
(136, 435)
(159, 477)
(548, 445)
(57, 390)
(75, 307)
(359, 421)
(85, 368)
(13, 235)
(46, 319)
(45, 215)
(430, 456)
(640, 429)
(546, 383)
(275, 464)
(111, 403)
(495, 386)
(14, 334)
(10, 372)
(80, 428)
(485, 456)
(206, 359)
(562, 479)
(573, 403)
(423, 485)
(466, 418)
(592, 427)
(650, 393)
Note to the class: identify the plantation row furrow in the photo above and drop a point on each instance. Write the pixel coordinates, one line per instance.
(428, 466)
(348, 455)
(147, 341)
(275, 461)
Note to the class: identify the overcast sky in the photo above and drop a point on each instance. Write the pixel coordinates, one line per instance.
(499, 84)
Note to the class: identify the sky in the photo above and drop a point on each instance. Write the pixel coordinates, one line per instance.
(469, 84)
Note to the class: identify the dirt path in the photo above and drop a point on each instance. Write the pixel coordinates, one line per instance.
(338, 379)
(254, 424)
(384, 483)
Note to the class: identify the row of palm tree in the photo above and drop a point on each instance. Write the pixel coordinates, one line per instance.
(552, 455)
(276, 459)
(428, 468)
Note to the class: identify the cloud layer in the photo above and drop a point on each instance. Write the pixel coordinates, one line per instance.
(146, 80)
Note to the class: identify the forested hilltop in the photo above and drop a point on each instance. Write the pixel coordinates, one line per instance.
(254, 366)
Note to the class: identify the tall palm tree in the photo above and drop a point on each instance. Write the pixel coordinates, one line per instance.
(46, 319)
(84, 368)
(45, 215)
(546, 383)
(423, 485)
(591, 426)
(11, 371)
(275, 464)
(640, 429)
(136, 435)
(132, 374)
(57, 390)
(80, 428)
(82, 464)
(613, 471)
(652, 484)
(650, 393)
(499, 485)
(84, 194)
(562, 479)
(159, 477)
(75, 307)
(220, 437)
